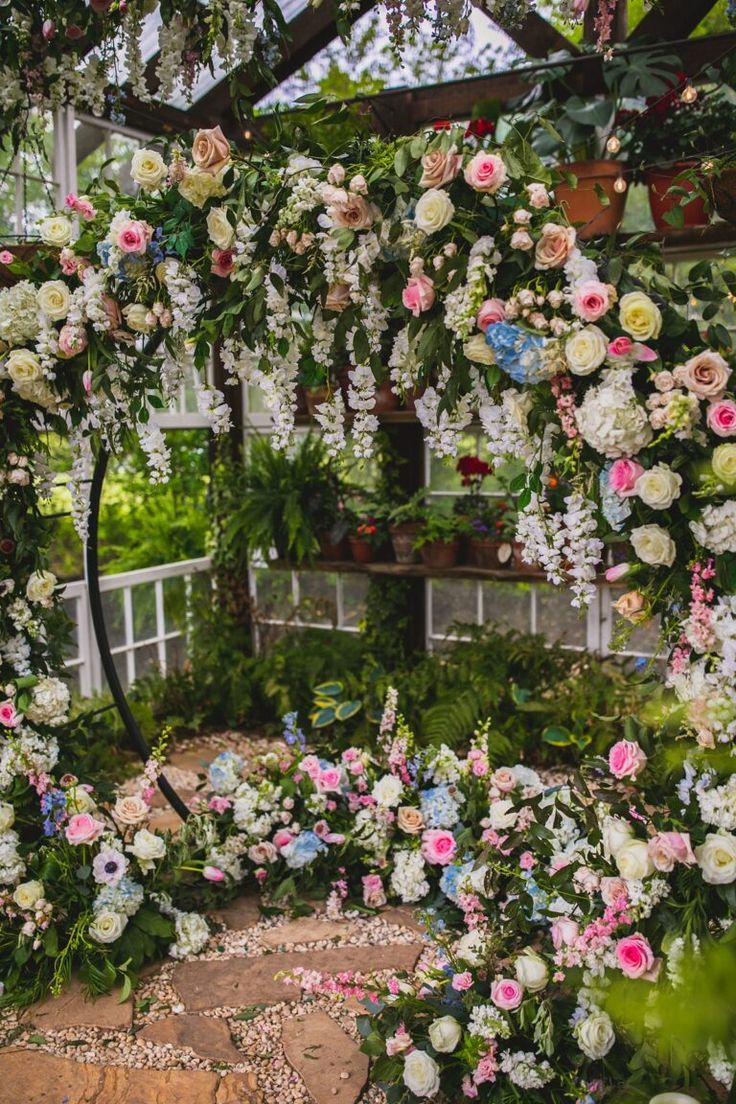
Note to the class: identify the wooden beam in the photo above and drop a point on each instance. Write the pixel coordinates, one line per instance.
(536, 36)
(671, 19)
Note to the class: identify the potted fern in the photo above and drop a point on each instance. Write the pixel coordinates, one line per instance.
(438, 540)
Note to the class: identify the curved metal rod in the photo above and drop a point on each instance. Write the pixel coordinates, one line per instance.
(92, 579)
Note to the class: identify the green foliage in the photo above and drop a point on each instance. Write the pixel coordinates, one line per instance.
(328, 707)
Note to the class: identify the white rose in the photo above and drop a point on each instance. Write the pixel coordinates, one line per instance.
(40, 586)
(531, 970)
(717, 858)
(56, 230)
(148, 169)
(673, 1098)
(219, 228)
(7, 816)
(616, 832)
(502, 815)
(107, 926)
(130, 810)
(639, 316)
(421, 1074)
(198, 186)
(28, 893)
(634, 861)
(445, 1034)
(653, 545)
(80, 801)
(147, 847)
(470, 947)
(23, 367)
(595, 1034)
(658, 487)
(138, 318)
(54, 299)
(433, 211)
(586, 350)
(387, 790)
(477, 349)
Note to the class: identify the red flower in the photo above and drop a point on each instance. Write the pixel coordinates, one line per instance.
(671, 100)
(479, 128)
(442, 124)
(472, 468)
(7, 546)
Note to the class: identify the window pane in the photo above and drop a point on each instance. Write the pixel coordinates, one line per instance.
(507, 605)
(354, 593)
(144, 611)
(112, 607)
(273, 594)
(452, 600)
(318, 598)
(557, 619)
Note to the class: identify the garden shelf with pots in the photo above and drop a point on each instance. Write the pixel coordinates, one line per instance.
(411, 571)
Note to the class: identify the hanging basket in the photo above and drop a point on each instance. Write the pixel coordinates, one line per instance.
(723, 188)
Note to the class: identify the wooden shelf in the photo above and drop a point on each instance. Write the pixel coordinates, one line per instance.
(411, 571)
(691, 239)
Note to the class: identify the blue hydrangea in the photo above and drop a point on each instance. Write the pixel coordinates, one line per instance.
(539, 898)
(225, 772)
(614, 508)
(439, 808)
(303, 850)
(125, 897)
(292, 733)
(451, 876)
(53, 807)
(519, 353)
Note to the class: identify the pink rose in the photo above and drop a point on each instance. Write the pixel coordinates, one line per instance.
(418, 295)
(83, 828)
(591, 300)
(373, 892)
(439, 168)
(487, 1067)
(72, 340)
(504, 779)
(213, 874)
(626, 759)
(526, 860)
(721, 417)
(614, 891)
(506, 993)
(223, 262)
(438, 846)
(219, 805)
(462, 982)
(564, 932)
(538, 196)
(668, 848)
(634, 955)
(485, 172)
(211, 150)
(491, 311)
(622, 476)
(134, 236)
(9, 716)
(399, 1042)
(329, 781)
(6, 257)
(705, 375)
(521, 239)
(282, 838)
(554, 246)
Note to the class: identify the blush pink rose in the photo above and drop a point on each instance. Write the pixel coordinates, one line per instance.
(634, 955)
(210, 150)
(538, 196)
(564, 932)
(9, 715)
(591, 300)
(626, 759)
(282, 838)
(310, 764)
(622, 476)
(554, 246)
(721, 418)
(223, 262)
(418, 295)
(438, 846)
(614, 891)
(485, 172)
(134, 236)
(462, 982)
(373, 892)
(329, 780)
(219, 805)
(491, 311)
(439, 168)
(706, 375)
(6, 257)
(83, 828)
(506, 993)
(668, 848)
(503, 779)
(72, 340)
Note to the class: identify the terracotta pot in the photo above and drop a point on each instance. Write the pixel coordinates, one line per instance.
(362, 551)
(724, 195)
(331, 551)
(386, 400)
(301, 400)
(403, 537)
(315, 396)
(520, 565)
(489, 553)
(440, 554)
(659, 181)
(582, 204)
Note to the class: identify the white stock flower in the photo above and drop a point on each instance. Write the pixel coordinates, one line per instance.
(433, 211)
(421, 1074)
(653, 545)
(107, 926)
(658, 487)
(586, 350)
(444, 1034)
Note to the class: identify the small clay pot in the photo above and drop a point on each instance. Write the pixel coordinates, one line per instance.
(440, 554)
(724, 195)
(520, 565)
(331, 551)
(403, 537)
(362, 551)
(659, 181)
(488, 553)
(582, 204)
(315, 396)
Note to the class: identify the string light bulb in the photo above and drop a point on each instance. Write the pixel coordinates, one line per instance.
(620, 185)
(689, 94)
(613, 145)
(706, 166)
(247, 134)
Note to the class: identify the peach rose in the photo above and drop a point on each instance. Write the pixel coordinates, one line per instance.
(211, 150)
(353, 212)
(632, 606)
(337, 298)
(439, 168)
(72, 340)
(410, 820)
(130, 810)
(705, 375)
(554, 245)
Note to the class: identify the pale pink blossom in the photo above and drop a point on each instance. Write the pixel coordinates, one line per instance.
(83, 828)
(485, 172)
(490, 312)
(438, 846)
(626, 759)
(507, 994)
(590, 300)
(622, 476)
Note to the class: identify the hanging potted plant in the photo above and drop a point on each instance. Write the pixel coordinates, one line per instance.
(438, 541)
(404, 523)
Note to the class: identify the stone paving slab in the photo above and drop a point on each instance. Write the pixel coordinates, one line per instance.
(73, 1009)
(40, 1078)
(308, 929)
(327, 1059)
(404, 915)
(241, 913)
(208, 1036)
(235, 982)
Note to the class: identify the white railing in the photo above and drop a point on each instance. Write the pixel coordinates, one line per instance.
(147, 614)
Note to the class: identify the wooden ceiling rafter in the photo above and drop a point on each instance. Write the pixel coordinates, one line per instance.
(676, 19)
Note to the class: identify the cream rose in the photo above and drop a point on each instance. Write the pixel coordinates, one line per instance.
(27, 894)
(653, 545)
(433, 211)
(130, 810)
(554, 245)
(531, 970)
(23, 368)
(421, 1074)
(7, 816)
(478, 350)
(658, 487)
(54, 299)
(219, 228)
(147, 847)
(198, 186)
(148, 169)
(40, 587)
(586, 350)
(595, 1034)
(724, 463)
(138, 318)
(639, 316)
(56, 230)
(444, 1034)
(107, 926)
(616, 832)
(410, 820)
(439, 168)
(717, 858)
(634, 861)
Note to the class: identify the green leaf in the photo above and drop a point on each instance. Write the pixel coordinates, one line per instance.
(323, 717)
(373, 1044)
(328, 689)
(348, 709)
(556, 736)
(675, 218)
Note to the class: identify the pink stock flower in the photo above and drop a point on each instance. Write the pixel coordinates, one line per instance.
(622, 476)
(462, 982)
(6, 257)
(83, 828)
(634, 955)
(485, 172)
(418, 295)
(491, 311)
(626, 759)
(219, 805)
(721, 417)
(591, 300)
(469, 1088)
(9, 715)
(134, 236)
(72, 340)
(564, 932)
(507, 994)
(438, 846)
(487, 1067)
(223, 262)
(373, 892)
(213, 874)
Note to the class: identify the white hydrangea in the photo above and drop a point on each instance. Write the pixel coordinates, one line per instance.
(192, 934)
(12, 867)
(718, 805)
(49, 702)
(407, 878)
(611, 419)
(444, 765)
(716, 529)
(19, 321)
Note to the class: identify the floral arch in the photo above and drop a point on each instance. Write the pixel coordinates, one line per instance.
(442, 263)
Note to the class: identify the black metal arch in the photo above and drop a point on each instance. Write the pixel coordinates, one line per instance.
(92, 578)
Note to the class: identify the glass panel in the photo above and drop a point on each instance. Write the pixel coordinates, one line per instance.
(273, 594)
(354, 593)
(176, 653)
(318, 598)
(112, 605)
(144, 611)
(507, 605)
(146, 660)
(174, 603)
(557, 619)
(453, 600)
